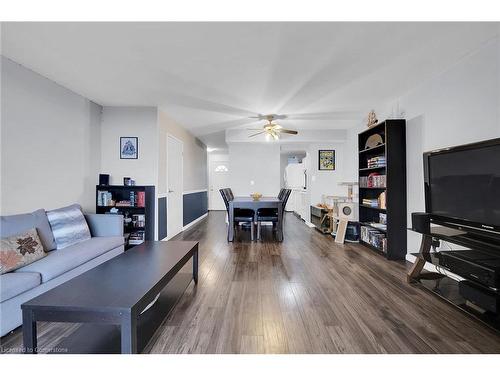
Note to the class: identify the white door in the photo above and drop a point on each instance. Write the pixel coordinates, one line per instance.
(174, 184)
(219, 179)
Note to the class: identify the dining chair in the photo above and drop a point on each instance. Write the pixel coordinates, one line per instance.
(280, 195)
(240, 215)
(271, 214)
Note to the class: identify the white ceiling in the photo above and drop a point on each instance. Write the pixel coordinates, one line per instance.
(213, 76)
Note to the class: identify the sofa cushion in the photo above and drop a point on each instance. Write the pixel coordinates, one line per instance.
(15, 224)
(60, 261)
(68, 226)
(13, 283)
(20, 250)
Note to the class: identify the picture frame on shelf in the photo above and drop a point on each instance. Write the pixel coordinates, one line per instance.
(326, 160)
(129, 148)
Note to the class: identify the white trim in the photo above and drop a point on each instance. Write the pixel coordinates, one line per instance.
(195, 221)
(310, 225)
(187, 226)
(182, 181)
(194, 191)
(162, 195)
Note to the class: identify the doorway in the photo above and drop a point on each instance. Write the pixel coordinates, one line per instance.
(175, 186)
(219, 179)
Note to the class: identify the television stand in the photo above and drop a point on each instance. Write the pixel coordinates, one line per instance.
(440, 283)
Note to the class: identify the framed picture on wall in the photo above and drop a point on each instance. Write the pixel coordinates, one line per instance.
(129, 148)
(326, 160)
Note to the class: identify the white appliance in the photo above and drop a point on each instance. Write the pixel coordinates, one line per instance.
(295, 176)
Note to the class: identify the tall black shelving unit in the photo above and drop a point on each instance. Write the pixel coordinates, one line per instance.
(393, 148)
(119, 193)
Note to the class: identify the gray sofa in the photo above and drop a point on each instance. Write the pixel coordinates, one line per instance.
(58, 266)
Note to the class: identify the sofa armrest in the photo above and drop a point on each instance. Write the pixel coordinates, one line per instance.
(102, 225)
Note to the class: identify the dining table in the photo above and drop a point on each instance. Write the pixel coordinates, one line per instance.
(252, 204)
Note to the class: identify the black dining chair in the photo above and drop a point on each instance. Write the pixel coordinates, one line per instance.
(281, 193)
(271, 214)
(240, 215)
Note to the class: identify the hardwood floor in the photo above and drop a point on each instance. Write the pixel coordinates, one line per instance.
(304, 295)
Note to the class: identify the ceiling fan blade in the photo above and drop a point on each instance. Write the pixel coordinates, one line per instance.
(335, 115)
(254, 129)
(287, 131)
(253, 135)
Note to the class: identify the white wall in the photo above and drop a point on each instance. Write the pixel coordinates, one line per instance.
(194, 160)
(459, 106)
(50, 143)
(138, 122)
(258, 162)
(325, 182)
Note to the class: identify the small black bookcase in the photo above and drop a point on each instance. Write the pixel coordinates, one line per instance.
(382, 189)
(131, 206)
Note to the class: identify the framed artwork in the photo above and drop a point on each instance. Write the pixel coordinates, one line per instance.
(326, 160)
(129, 147)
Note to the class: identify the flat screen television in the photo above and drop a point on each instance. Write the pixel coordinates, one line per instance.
(462, 187)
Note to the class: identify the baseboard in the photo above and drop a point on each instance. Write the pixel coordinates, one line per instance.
(310, 225)
(186, 226)
(194, 221)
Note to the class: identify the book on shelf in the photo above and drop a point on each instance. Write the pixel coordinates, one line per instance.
(136, 238)
(141, 198)
(139, 220)
(374, 237)
(378, 225)
(374, 180)
(123, 204)
(104, 198)
(377, 161)
(370, 202)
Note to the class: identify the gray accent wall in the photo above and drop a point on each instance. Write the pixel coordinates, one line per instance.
(195, 205)
(162, 218)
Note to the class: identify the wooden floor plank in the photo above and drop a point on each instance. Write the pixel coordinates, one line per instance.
(306, 294)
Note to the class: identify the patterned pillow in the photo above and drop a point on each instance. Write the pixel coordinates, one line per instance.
(68, 226)
(20, 250)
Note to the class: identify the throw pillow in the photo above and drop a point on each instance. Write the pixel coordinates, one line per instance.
(68, 226)
(15, 224)
(20, 250)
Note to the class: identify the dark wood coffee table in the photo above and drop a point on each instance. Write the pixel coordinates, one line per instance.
(115, 292)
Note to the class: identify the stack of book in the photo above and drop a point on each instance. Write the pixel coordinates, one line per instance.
(372, 202)
(379, 225)
(123, 204)
(136, 238)
(377, 161)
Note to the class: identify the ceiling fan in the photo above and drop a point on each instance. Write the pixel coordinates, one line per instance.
(273, 129)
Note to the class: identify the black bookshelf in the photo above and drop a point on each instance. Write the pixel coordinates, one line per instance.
(123, 193)
(393, 148)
